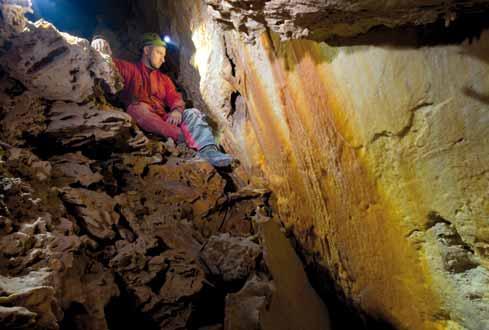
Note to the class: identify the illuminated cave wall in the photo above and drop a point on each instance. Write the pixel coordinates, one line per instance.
(376, 147)
(377, 152)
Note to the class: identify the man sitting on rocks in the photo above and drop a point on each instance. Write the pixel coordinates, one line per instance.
(146, 93)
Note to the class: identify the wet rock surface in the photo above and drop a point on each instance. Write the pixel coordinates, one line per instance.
(101, 226)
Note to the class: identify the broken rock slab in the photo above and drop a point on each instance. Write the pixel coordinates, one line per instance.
(233, 213)
(94, 210)
(320, 20)
(56, 65)
(17, 318)
(22, 113)
(177, 189)
(28, 165)
(74, 168)
(243, 308)
(35, 294)
(12, 20)
(71, 125)
(162, 284)
(230, 258)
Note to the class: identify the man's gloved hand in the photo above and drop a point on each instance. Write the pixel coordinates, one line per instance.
(102, 46)
(174, 118)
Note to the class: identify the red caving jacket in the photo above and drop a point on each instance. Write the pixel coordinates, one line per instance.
(149, 86)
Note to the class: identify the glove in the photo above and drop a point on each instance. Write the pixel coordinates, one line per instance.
(102, 46)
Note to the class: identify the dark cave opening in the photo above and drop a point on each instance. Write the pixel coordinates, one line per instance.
(467, 26)
(122, 312)
(74, 317)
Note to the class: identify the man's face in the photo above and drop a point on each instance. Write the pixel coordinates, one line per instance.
(155, 55)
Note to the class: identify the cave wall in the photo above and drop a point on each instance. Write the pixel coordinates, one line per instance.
(377, 154)
(318, 20)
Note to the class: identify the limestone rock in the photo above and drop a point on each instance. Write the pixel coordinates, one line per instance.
(15, 244)
(86, 287)
(73, 126)
(243, 308)
(230, 258)
(17, 318)
(22, 114)
(12, 20)
(95, 210)
(55, 65)
(74, 168)
(177, 189)
(324, 19)
(32, 292)
(233, 213)
(161, 282)
(29, 165)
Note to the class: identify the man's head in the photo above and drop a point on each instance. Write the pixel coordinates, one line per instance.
(154, 50)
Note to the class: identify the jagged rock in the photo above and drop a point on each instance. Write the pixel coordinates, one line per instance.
(231, 258)
(17, 318)
(15, 244)
(34, 293)
(19, 200)
(28, 165)
(184, 279)
(162, 284)
(138, 164)
(95, 211)
(86, 288)
(456, 254)
(233, 213)
(159, 226)
(6, 224)
(74, 168)
(244, 308)
(43, 244)
(178, 189)
(56, 65)
(72, 125)
(12, 20)
(324, 19)
(22, 115)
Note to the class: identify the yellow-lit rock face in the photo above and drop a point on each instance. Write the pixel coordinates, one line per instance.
(379, 160)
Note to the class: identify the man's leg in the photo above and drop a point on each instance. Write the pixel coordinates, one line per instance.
(198, 135)
(152, 122)
(196, 130)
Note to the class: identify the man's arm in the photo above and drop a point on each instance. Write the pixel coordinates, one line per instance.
(174, 101)
(103, 46)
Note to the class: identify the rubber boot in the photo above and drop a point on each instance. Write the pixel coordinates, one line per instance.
(214, 156)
